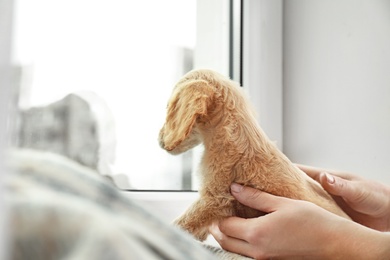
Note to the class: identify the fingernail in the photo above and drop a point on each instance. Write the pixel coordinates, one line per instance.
(235, 187)
(329, 178)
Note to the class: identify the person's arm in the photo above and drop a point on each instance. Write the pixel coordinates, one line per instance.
(366, 202)
(293, 228)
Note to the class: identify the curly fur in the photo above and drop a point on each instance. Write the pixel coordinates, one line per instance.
(210, 108)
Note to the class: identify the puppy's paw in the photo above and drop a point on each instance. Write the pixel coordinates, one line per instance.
(199, 232)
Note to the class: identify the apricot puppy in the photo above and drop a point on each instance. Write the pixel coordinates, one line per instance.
(206, 107)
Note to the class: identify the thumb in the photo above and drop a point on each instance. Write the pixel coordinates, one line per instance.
(335, 185)
(255, 198)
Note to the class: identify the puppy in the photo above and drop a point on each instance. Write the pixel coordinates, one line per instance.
(210, 108)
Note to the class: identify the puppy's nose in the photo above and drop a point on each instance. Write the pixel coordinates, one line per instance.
(162, 144)
(161, 138)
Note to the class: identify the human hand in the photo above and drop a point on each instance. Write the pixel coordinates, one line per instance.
(296, 229)
(366, 202)
(292, 228)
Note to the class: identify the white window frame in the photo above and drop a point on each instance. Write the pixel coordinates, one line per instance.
(262, 65)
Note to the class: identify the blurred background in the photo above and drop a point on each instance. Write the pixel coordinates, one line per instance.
(119, 60)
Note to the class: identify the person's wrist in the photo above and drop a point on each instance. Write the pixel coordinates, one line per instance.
(383, 245)
(339, 245)
(356, 241)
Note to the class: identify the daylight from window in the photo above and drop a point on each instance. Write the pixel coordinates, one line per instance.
(124, 57)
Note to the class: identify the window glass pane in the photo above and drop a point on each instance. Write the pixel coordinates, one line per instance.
(95, 77)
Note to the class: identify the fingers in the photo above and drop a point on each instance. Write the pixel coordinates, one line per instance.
(235, 227)
(230, 243)
(353, 192)
(337, 186)
(256, 199)
(359, 198)
(315, 172)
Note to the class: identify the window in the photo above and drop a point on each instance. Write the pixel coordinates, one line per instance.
(118, 60)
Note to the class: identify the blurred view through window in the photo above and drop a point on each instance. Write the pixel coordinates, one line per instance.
(94, 78)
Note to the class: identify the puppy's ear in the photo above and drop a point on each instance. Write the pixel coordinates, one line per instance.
(189, 101)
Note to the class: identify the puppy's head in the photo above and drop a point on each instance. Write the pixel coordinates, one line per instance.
(188, 104)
